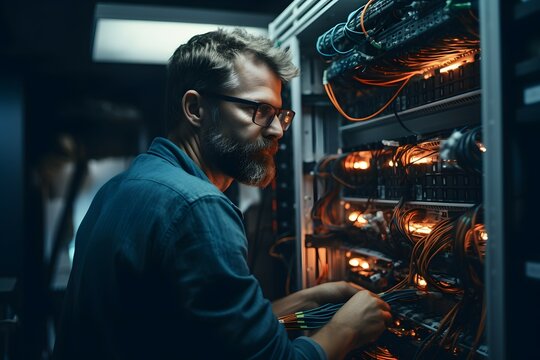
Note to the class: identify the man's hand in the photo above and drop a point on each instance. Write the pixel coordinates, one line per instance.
(332, 292)
(366, 314)
(360, 321)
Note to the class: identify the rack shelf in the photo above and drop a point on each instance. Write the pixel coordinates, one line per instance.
(457, 111)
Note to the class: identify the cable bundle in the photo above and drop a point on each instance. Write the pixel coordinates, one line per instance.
(336, 172)
(318, 317)
(403, 220)
(470, 250)
(375, 67)
(343, 38)
(406, 157)
(439, 240)
(398, 71)
(326, 43)
(325, 212)
(464, 150)
(358, 172)
(425, 249)
(408, 227)
(310, 319)
(465, 314)
(348, 166)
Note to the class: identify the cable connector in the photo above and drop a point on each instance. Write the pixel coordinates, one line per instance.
(447, 147)
(391, 143)
(375, 44)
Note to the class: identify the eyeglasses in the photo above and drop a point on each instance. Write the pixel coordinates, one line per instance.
(263, 113)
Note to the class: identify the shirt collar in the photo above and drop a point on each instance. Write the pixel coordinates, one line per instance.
(169, 151)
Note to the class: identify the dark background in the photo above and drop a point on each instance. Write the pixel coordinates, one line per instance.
(56, 105)
(49, 44)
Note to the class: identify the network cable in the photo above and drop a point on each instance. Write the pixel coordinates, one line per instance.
(320, 316)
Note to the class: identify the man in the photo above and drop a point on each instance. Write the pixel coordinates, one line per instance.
(160, 262)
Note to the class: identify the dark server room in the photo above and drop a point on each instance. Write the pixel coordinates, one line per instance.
(149, 211)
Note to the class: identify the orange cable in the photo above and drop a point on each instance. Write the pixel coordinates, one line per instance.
(332, 97)
(362, 18)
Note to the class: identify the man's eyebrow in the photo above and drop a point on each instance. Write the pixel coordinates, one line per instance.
(268, 103)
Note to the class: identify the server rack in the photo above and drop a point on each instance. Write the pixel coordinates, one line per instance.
(503, 120)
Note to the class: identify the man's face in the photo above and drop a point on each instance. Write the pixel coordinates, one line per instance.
(231, 141)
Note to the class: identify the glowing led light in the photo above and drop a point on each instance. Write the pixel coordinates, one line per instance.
(481, 146)
(423, 230)
(362, 165)
(361, 219)
(353, 216)
(347, 206)
(421, 160)
(450, 67)
(359, 262)
(357, 160)
(354, 262)
(483, 235)
(419, 228)
(420, 281)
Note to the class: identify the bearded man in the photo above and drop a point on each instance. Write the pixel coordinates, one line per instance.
(160, 267)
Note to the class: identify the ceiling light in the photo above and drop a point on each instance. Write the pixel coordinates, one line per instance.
(149, 34)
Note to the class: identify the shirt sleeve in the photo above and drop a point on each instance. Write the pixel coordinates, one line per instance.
(215, 294)
(307, 348)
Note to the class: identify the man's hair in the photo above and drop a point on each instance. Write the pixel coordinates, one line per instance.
(206, 62)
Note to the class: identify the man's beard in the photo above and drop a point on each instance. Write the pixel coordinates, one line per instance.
(251, 163)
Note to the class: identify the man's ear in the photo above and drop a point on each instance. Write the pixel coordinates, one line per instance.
(192, 107)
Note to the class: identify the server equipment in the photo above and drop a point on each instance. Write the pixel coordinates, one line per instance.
(395, 191)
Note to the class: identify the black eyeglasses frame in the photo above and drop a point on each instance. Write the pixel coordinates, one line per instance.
(256, 106)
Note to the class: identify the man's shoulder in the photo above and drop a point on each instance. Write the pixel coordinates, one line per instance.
(155, 174)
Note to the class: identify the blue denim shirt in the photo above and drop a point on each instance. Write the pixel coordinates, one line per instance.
(160, 272)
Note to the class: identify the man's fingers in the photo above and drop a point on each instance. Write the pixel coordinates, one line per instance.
(383, 304)
(387, 316)
(353, 285)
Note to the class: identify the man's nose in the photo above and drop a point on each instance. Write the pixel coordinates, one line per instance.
(275, 128)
